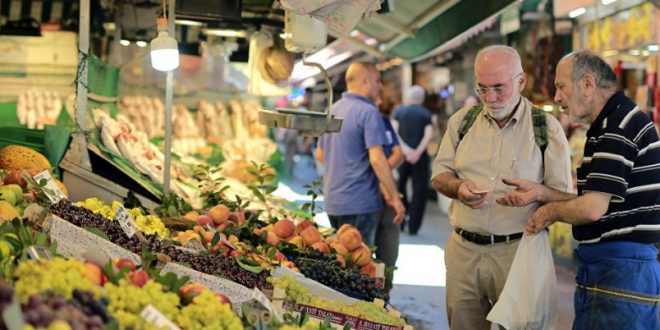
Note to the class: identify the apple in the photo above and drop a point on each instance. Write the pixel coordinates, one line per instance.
(223, 299)
(138, 277)
(16, 177)
(123, 262)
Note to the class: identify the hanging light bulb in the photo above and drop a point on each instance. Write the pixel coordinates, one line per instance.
(164, 49)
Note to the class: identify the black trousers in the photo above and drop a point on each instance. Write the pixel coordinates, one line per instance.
(420, 186)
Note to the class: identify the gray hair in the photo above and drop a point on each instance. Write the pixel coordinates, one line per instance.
(586, 62)
(502, 49)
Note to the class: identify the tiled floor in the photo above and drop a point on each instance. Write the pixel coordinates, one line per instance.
(419, 290)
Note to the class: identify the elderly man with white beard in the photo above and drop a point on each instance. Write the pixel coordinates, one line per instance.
(504, 137)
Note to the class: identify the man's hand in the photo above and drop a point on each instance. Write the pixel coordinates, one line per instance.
(399, 209)
(468, 197)
(413, 157)
(541, 219)
(526, 192)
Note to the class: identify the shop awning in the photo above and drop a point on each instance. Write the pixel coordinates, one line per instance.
(451, 23)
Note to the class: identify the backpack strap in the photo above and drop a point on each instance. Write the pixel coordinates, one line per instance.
(468, 120)
(540, 127)
(539, 124)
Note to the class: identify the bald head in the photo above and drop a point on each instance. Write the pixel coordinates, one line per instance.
(364, 79)
(498, 58)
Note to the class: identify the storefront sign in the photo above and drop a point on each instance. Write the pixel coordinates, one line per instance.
(631, 28)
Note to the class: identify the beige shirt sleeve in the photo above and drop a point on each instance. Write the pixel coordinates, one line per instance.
(444, 159)
(557, 158)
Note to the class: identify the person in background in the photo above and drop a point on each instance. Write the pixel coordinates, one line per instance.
(483, 145)
(413, 123)
(355, 165)
(616, 213)
(387, 233)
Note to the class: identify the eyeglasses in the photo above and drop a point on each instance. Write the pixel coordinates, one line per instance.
(482, 91)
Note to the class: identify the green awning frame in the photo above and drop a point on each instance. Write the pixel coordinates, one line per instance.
(448, 25)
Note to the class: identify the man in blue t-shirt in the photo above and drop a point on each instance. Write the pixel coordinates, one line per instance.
(409, 120)
(616, 214)
(355, 165)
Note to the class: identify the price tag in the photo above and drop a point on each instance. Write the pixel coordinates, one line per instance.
(264, 301)
(152, 315)
(52, 191)
(13, 316)
(125, 221)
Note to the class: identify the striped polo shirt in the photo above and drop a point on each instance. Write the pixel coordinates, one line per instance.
(622, 159)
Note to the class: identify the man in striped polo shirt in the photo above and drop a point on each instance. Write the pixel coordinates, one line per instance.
(616, 215)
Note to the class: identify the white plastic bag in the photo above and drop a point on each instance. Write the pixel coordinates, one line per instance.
(529, 298)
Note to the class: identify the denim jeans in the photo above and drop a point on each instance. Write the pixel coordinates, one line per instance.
(365, 223)
(618, 286)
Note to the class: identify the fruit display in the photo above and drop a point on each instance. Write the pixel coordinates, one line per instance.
(60, 276)
(371, 311)
(148, 224)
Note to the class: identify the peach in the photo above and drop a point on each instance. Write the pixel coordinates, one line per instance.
(361, 256)
(272, 238)
(298, 242)
(284, 228)
(190, 290)
(93, 273)
(279, 256)
(208, 236)
(330, 240)
(191, 216)
(369, 269)
(204, 220)
(342, 260)
(339, 248)
(231, 225)
(344, 227)
(237, 217)
(351, 239)
(304, 225)
(321, 247)
(311, 235)
(219, 214)
(199, 229)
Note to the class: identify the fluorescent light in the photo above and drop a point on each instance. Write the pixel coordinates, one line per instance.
(109, 26)
(577, 12)
(187, 22)
(124, 42)
(548, 108)
(634, 52)
(141, 43)
(653, 48)
(607, 2)
(646, 53)
(226, 33)
(609, 53)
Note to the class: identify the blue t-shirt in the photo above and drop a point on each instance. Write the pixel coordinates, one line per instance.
(390, 135)
(412, 118)
(350, 185)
